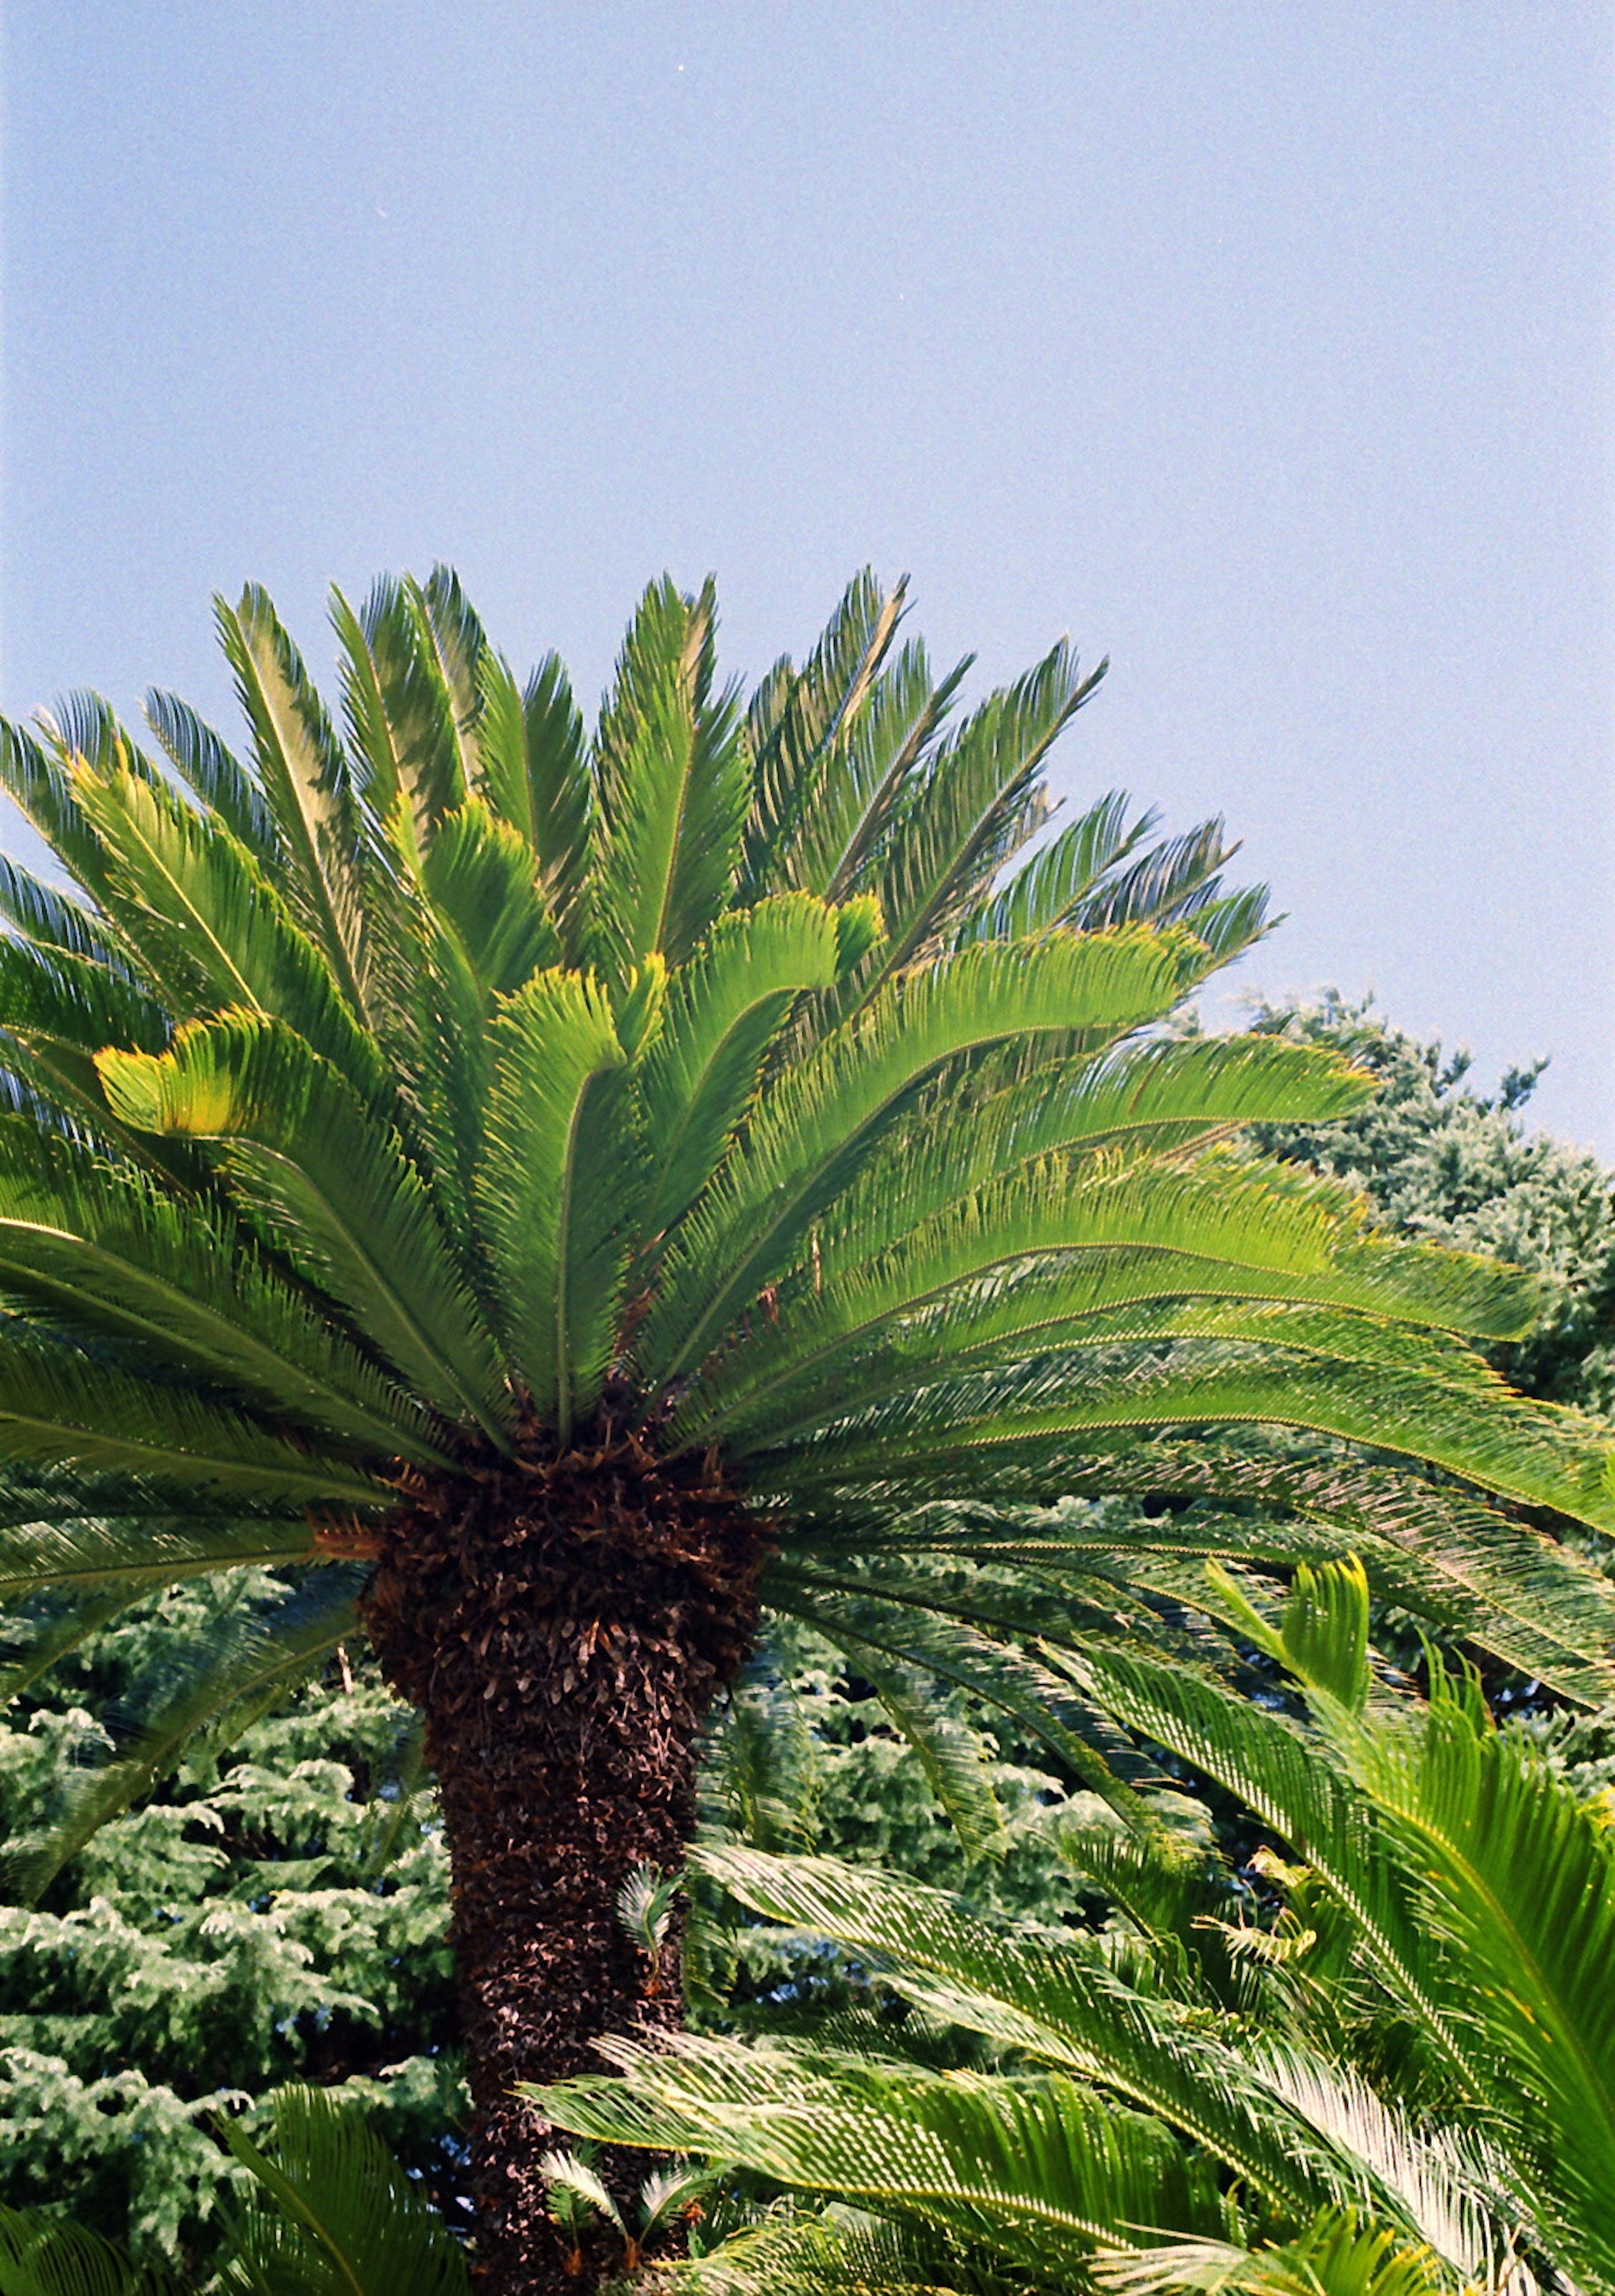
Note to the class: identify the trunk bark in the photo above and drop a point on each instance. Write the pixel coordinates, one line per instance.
(564, 1626)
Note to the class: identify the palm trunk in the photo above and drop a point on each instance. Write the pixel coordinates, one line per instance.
(564, 1626)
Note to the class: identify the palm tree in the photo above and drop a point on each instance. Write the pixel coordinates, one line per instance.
(1404, 2066)
(586, 1191)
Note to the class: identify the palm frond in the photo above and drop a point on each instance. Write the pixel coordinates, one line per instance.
(1047, 890)
(555, 1191)
(76, 1538)
(725, 1008)
(106, 1252)
(334, 1187)
(334, 2214)
(533, 770)
(247, 1665)
(799, 727)
(981, 799)
(811, 1129)
(188, 890)
(41, 2256)
(219, 781)
(673, 787)
(1036, 2165)
(57, 1402)
(305, 782)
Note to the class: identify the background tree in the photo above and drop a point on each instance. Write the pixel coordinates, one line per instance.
(1437, 1158)
(584, 1190)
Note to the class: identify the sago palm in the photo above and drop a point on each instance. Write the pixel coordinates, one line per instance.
(1406, 2062)
(586, 1189)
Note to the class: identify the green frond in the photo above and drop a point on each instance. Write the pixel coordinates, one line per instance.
(557, 1193)
(833, 2255)
(1167, 1095)
(1060, 1256)
(191, 894)
(575, 2192)
(1169, 884)
(52, 920)
(1036, 2165)
(106, 1252)
(869, 753)
(1468, 1570)
(480, 876)
(1437, 2179)
(41, 2256)
(981, 799)
(725, 1008)
(334, 2214)
(954, 1758)
(58, 1403)
(305, 782)
(1286, 1778)
(332, 1186)
(972, 1647)
(1229, 924)
(1008, 1435)
(217, 778)
(792, 722)
(1047, 889)
(455, 641)
(533, 773)
(76, 1537)
(56, 997)
(812, 1128)
(404, 714)
(1517, 1875)
(39, 787)
(673, 787)
(1062, 2004)
(1336, 2256)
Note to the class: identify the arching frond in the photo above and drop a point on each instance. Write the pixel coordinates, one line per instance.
(217, 779)
(557, 1193)
(333, 2212)
(334, 1187)
(724, 1011)
(306, 781)
(811, 1129)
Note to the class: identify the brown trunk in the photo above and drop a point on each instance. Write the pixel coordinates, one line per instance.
(564, 1626)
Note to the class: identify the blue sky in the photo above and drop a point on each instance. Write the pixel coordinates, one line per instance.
(1264, 347)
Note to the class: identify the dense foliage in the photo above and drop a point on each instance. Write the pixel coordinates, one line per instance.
(595, 1192)
(1438, 1157)
(1399, 2050)
(277, 1909)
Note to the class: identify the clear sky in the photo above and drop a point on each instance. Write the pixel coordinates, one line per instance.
(1264, 345)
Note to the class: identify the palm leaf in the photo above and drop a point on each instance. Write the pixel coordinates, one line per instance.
(305, 782)
(811, 1129)
(673, 787)
(332, 1186)
(57, 1403)
(219, 781)
(106, 1250)
(725, 1009)
(244, 1667)
(209, 912)
(555, 1196)
(335, 2216)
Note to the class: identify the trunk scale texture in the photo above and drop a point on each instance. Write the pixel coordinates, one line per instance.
(564, 1626)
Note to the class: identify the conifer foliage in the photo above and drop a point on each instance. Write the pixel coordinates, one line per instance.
(590, 1189)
